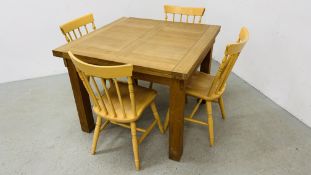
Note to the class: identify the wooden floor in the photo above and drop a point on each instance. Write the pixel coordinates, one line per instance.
(258, 137)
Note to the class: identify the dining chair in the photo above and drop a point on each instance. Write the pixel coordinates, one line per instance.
(188, 12)
(211, 87)
(79, 25)
(120, 103)
(183, 11)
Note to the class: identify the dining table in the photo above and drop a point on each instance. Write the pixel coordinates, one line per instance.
(162, 52)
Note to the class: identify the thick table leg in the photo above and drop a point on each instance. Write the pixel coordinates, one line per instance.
(176, 124)
(206, 63)
(81, 98)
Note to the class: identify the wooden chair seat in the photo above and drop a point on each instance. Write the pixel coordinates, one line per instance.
(143, 98)
(199, 84)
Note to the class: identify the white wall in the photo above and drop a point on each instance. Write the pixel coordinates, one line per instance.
(29, 31)
(276, 60)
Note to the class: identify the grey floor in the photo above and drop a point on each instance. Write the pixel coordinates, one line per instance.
(40, 134)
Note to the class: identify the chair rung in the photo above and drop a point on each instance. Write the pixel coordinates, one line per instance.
(196, 121)
(148, 130)
(103, 126)
(127, 126)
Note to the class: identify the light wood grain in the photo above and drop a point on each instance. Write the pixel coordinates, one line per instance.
(211, 87)
(154, 47)
(135, 145)
(188, 12)
(121, 103)
(77, 26)
(184, 12)
(160, 51)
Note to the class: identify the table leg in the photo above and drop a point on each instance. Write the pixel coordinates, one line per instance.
(176, 125)
(136, 82)
(206, 63)
(82, 99)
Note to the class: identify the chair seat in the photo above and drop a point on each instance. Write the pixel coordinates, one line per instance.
(143, 98)
(199, 84)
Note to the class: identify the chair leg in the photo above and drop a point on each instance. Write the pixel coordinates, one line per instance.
(157, 117)
(210, 122)
(222, 107)
(96, 134)
(135, 145)
(167, 118)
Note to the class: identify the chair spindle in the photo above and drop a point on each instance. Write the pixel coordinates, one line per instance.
(119, 97)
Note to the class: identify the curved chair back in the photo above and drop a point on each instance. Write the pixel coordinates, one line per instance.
(189, 12)
(75, 26)
(102, 101)
(232, 53)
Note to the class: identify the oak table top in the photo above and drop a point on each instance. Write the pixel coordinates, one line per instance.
(154, 47)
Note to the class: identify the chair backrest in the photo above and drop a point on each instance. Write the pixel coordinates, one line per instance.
(231, 55)
(73, 27)
(184, 11)
(89, 73)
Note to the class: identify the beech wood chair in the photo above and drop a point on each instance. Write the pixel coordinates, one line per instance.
(119, 103)
(76, 26)
(211, 87)
(189, 12)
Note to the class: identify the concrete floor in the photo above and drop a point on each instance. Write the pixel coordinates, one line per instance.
(40, 134)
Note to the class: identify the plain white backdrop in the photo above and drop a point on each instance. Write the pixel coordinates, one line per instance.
(276, 60)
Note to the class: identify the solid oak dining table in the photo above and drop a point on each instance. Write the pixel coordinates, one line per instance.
(161, 52)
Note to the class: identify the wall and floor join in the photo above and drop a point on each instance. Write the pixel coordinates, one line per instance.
(271, 77)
